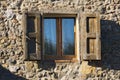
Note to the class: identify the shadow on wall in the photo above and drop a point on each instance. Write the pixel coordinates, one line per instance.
(7, 75)
(46, 65)
(110, 44)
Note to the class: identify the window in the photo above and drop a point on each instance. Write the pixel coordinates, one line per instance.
(58, 37)
(52, 36)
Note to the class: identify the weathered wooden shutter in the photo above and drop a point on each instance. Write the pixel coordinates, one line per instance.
(32, 43)
(90, 36)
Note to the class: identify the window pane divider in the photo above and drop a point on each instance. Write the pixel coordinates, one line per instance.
(37, 29)
(59, 37)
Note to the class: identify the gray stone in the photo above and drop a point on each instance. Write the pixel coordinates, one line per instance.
(102, 9)
(12, 61)
(9, 14)
(14, 68)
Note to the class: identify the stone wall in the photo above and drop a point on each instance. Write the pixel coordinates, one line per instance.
(12, 64)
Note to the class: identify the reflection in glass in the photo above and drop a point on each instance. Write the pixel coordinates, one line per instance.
(50, 36)
(68, 36)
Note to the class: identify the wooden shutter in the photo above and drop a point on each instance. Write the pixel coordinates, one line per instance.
(24, 35)
(31, 24)
(38, 37)
(90, 36)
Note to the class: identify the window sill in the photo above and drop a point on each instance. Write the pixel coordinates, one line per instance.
(62, 61)
(66, 61)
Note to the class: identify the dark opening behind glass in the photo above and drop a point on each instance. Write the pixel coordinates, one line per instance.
(32, 41)
(32, 48)
(68, 36)
(30, 24)
(50, 36)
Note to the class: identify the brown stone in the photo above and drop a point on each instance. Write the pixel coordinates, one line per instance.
(116, 1)
(86, 69)
(29, 66)
(2, 41)
(5, 66)
(15, 21)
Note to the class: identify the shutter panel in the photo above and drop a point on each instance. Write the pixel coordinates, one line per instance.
(31, 36)
(24, 35)
(38, 37)
(90, 36)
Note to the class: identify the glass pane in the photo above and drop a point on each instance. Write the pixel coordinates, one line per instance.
(68, 36)
(30, 24)
(50, 36)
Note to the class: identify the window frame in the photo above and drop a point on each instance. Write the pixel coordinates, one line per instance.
(95, 34)
(80, 19)
(27, 36)
(50, 14)
(63, 57)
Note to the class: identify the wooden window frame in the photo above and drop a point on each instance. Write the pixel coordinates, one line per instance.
(28, 36)
(60, 57)
(79, 41)
(91, 39)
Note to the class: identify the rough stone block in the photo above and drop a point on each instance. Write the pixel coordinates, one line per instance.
(29, 66)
